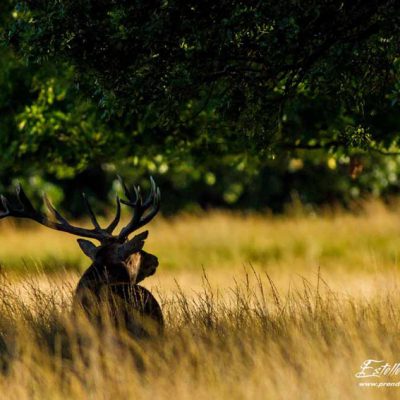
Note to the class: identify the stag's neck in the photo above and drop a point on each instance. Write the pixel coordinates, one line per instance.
(98, 275)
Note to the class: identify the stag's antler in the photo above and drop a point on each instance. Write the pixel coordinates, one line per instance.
(143, 212)
(25, 209)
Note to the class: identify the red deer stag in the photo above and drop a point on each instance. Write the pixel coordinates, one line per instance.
(118, 264)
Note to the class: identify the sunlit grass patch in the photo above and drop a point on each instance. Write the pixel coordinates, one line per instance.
(225, 240)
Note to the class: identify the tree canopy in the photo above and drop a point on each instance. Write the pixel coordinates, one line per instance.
(228, 73)
(207, 89)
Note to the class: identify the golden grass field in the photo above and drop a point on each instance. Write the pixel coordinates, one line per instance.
(256, 307)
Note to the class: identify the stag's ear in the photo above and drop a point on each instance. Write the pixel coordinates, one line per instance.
(88, 248)
(134, 245)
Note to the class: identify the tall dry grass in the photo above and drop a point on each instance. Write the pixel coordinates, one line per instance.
(252, 343)
(288, 307)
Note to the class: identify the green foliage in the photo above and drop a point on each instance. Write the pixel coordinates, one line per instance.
(227, 74)
(228, 104)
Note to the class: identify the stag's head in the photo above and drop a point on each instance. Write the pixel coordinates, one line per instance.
(117, 254)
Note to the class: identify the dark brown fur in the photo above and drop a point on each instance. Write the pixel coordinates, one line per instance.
(110, 285)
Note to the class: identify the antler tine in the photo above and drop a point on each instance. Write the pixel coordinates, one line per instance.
(153, 190)
(6, 211)
(139, 199)
(4, 202)
(136, 204)
(140, 208)
(134, 198)
(110, 228)
(127, 192)
(25, 206)
(91, 213)
(154, 210)
(53, 211)
(23, 199)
